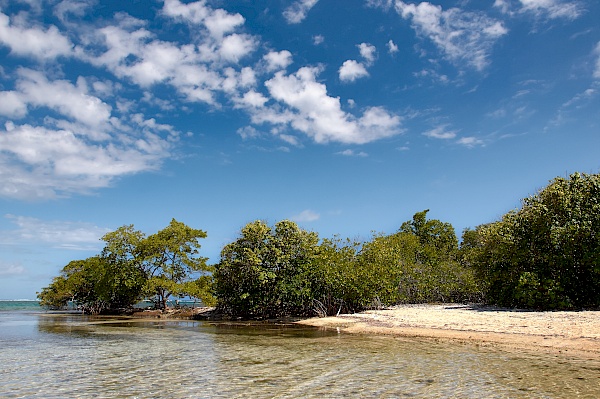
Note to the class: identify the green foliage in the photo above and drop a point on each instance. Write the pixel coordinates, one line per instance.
(337, 283)
(282, 271)
(546, 255)
(267, 272)
(132, 267)
(406, 268)
(169, 258)
(437, 238)
(57, 295)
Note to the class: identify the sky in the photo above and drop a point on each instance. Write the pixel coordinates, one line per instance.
(345, 116)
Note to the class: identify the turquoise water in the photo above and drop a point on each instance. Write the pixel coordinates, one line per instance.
(19, 305)
(54, 355)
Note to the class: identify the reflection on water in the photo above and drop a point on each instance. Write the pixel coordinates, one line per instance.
(75, 356)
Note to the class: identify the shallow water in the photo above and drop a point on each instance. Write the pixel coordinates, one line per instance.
(73, 356)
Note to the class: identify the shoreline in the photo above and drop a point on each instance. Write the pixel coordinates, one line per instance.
(566, 333)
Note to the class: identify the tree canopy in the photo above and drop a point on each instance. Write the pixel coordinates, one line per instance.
(284, 270)
(132, 267)
(266, 271)
(546, 255)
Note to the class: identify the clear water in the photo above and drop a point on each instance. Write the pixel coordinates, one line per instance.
(45, 355)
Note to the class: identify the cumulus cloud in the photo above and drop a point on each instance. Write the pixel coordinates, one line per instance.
(194, 70)
(306, 216)
(305, 106)
(199, 71)
(277, 60)
(40, 162)
(297, 12)
(392, 47)
(352, 70)
(12, 104)
(62, 96)
(368, 52)
(251, 99)
(33, 41)
(218, 22)
(465, 38)
(81, 147)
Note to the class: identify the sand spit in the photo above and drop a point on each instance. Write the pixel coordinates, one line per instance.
(569, 333)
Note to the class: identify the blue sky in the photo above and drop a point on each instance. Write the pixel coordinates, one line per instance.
(347, 117)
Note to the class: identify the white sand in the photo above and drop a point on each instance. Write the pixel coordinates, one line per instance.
(570, 333)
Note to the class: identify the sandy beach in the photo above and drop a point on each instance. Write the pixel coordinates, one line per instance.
(569, 333)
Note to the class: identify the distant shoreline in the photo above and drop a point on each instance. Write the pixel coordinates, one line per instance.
(575, 334)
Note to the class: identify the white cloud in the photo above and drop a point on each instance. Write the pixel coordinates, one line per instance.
(306, 216)
(248, 132)
(277, 60)
(352, 70)
(76, 8)
(296, 12)
(305, 106)
(318, 39)
(33, 41)
(251, 99)
(392, 47)
(58, 234)
(44, 162)
(292, 140)
(197, 71)
(368, 52)
(62, 96)
(503, 5)
(552, 8)
(218, 22)
(236, 46)
(465, 38)
(12, 104)
(441, 132)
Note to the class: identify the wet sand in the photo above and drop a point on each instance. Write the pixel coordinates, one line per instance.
(569, 333)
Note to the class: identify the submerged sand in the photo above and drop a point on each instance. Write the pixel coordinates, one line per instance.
(570, 333)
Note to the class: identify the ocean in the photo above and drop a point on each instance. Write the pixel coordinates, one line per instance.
(19, 305)
(65, 355)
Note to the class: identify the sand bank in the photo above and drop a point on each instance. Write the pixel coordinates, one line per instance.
(570, 333)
